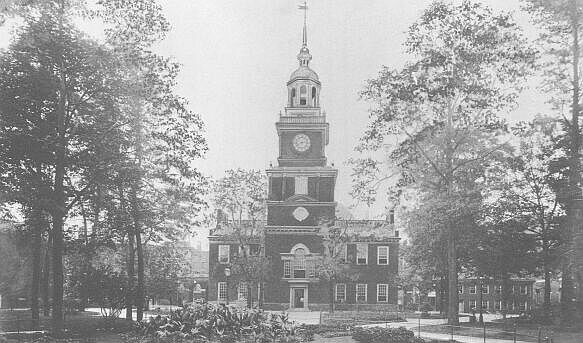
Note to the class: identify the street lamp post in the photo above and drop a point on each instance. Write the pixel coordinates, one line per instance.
(481, 318)
(227, 274)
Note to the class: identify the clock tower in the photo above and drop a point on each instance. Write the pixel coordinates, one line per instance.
(301, 188)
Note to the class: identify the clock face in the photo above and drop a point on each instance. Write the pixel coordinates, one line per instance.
(301, 142)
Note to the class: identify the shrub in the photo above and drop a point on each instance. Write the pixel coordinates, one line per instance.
(384, 335)
(206, 322)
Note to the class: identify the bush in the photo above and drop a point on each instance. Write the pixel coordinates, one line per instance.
(385, 335)
(206, 322)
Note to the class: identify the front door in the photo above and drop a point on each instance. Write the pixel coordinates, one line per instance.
(299, 298)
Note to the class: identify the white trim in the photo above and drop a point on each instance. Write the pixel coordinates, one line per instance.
(473, 289)
(365, 292)
(379, 255)
(365, 245)
(299, 246)
(336, 292)
(386, 292)
(219, 298)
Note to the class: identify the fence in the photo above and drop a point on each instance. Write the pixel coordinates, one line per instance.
(484, 334)
(354, 318)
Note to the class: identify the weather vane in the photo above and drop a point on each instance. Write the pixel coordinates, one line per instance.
(304, 7)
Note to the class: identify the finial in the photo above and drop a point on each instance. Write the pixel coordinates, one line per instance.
(304, 7)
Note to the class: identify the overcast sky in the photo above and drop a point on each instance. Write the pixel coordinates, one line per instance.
(237, 56)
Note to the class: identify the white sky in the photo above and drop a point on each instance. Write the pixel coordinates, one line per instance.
(237, 56)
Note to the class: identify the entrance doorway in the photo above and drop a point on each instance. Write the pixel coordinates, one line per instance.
(461, 308)
(298, 298)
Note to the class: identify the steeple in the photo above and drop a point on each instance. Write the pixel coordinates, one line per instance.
(304, 56)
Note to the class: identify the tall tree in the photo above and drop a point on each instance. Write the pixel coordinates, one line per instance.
(467, 64)
(561, 22)
(55, 108)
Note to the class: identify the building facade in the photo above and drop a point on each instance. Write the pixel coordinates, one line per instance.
(519, 295)
(300, 203)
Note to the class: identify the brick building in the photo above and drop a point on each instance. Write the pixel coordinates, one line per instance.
(300, 200)
(519, 295)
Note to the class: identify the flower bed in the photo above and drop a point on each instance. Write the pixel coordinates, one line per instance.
(206, 322)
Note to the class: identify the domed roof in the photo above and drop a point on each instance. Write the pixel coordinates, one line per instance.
(304, 72)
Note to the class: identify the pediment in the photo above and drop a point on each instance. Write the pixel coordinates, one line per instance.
(300, 198)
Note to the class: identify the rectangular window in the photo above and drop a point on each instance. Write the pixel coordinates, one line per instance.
(299, 268)
(301, 185)
(340, 292)
(382, 293)
(472, 304)
(523, 289)
(522, 306)
(498, 305)
(362, 253)
(498, 289)
(343, 254)
(224, 252)
(473, 289)
(242, 291)
(485, 304)
(485, 289)
(382, 255)
(287, 269)
(460, 289)
(222, 291)
(361, 292)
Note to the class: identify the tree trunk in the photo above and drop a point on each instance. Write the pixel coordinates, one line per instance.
(58, 279)
(36, 222)
(141, 289)
(547, 294)
(574, 213)
(131, 275)
(331, 295)
(45, 282)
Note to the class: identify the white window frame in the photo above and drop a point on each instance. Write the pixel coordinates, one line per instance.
(498, 289)
(498, 305)
(379, 248)
(242, 293)
(287, 270)
(472, 304)
(228, 248)
(473, 289)
(460, 289)
(487, 303)
(360, 285)
(365, 246)
(338, 286)
(525, 288)
(222, 287)
(486, 289)
(386, 287)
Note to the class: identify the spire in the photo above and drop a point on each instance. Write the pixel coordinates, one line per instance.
(304, 7)
(304, 56)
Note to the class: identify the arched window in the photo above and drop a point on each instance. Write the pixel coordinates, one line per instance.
(292, 99)
(314, 97)
(303, 95)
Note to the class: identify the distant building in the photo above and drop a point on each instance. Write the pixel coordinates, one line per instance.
(539, 291)
(301, 197)
(519, 295)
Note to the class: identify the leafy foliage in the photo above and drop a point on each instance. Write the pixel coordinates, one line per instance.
(207, 322)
